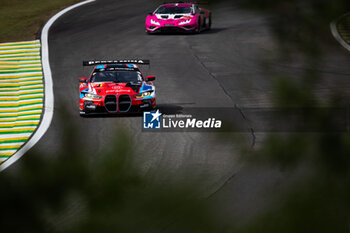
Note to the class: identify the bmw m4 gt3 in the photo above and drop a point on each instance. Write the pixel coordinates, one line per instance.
(116, 87)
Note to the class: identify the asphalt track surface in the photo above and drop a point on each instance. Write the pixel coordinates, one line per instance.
(218, 68)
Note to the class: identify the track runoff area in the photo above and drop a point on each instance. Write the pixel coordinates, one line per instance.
(21, 95)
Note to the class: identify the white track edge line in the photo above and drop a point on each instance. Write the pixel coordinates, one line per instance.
(49, 98)
(336, 34)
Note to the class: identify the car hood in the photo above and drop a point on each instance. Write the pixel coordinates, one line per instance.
(114, 88)
(173, 16)
(109, 88)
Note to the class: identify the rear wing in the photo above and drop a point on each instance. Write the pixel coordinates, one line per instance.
(125, 61)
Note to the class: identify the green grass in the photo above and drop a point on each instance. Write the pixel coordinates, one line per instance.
(20, 20)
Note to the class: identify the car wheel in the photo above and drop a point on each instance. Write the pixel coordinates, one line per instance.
(209, 23)
(82, 114)
(198, 30)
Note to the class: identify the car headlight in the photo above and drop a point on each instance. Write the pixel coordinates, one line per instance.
(143, 95)
(185, 22)
(92, 96)
(155, 22)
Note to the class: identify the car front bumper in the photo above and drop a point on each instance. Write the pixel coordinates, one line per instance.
(151, 28)
(87, 106)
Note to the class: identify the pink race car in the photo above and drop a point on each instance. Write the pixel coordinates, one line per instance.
(178, 17)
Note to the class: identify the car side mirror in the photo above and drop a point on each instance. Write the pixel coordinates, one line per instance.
(83, 80)
(150, 78)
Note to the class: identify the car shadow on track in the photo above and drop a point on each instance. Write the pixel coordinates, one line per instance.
(163, 108)
(214, 30)
(211, 31)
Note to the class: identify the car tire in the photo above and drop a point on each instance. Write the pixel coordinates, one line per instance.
(82, 114)
(198, 30)
(209, 23)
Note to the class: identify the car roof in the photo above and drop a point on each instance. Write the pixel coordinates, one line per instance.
(178, 4)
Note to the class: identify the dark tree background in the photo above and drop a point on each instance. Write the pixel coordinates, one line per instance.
(68, 194)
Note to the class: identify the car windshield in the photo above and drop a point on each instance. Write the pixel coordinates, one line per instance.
(117, 76)
(173, 10)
